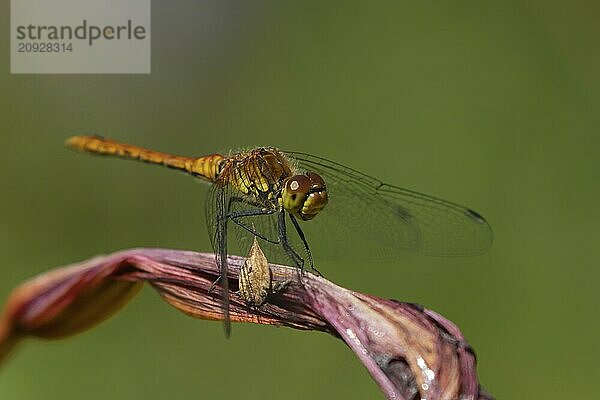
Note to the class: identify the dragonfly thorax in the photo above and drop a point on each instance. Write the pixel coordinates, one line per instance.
(268, 179)
(258, 174)
(304, 195)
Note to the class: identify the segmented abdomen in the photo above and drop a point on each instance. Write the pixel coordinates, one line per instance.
(206, 167)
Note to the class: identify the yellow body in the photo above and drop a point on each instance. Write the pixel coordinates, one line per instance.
(263, 174)
(206, 167)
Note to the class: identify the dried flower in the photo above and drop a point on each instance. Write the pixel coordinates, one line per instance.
(411, 352)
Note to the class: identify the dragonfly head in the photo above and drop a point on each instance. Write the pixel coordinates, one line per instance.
(304, 195)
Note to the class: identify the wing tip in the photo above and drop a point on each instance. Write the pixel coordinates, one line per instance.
(478, 218)
(475, 216)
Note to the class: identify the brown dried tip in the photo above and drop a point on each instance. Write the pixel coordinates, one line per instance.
(411, 352)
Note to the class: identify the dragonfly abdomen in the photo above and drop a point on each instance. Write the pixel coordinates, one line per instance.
(206, 167)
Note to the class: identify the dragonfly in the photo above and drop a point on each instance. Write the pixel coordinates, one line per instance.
(285, 197)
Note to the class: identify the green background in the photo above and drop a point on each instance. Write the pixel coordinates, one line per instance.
(491, 105)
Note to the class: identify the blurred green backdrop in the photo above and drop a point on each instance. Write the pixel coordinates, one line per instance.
(491, 105)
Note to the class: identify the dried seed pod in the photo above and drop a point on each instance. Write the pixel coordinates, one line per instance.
(255, 277)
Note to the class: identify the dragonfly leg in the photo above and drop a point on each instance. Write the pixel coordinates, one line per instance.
(294, 256)
(243, 200)
(282, 239)
(305, 243)
(214, 284)
(235, 216)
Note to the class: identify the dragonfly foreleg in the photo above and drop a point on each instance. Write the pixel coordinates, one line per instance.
(235, 216)
(294, 256)
(304, 242)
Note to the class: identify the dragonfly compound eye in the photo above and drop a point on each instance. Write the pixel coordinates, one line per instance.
(304, 195)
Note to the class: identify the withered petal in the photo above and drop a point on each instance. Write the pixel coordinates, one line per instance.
(411, 352)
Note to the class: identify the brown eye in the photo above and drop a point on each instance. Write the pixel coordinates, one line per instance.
(294, 193)
(298, 184)
(316, 181)
(304, 196)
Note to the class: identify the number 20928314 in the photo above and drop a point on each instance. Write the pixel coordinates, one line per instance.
(28, 47)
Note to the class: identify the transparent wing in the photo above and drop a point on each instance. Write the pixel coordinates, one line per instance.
(215, 208)
(397, 220)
